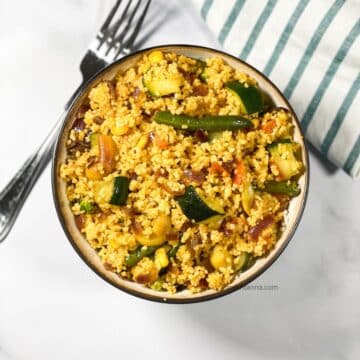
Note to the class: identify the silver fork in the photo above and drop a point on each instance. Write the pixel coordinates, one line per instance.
(114, 40)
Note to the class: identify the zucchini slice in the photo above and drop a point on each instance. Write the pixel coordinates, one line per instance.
(241, 261)
(282, 157)
(114, 192)
(161, 84)
(249, 97)
(196, 206)
(120, 191)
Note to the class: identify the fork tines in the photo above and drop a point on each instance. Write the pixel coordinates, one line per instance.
(121, 27)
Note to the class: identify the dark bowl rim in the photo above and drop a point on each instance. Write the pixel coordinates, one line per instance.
(159, 299)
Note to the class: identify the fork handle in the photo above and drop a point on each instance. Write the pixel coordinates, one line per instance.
(14, 195)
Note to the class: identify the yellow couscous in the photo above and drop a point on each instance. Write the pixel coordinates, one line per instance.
(178, 174)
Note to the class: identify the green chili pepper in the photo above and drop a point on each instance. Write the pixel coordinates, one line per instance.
(276, 143)
(208, 123)
(142, 251)
(172, 252)
(282, 187)
(87, 207)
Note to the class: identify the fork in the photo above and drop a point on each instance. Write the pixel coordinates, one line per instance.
(114, 40)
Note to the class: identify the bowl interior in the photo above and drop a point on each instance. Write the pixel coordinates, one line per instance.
(89, 255)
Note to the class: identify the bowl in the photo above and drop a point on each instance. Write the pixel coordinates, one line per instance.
(89, 255)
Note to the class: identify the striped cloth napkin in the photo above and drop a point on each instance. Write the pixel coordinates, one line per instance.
(311, 50)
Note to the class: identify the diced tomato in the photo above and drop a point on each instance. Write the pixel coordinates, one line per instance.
(92, 172)
(218, 169)
(159, 142)
(269, 126)
(239, 173)
(162, 144)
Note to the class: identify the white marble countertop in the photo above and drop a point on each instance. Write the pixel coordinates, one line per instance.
(52, 306)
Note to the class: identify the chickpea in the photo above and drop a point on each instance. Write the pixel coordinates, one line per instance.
(161, 258)
(155, 56)
(162, 225)
(220, 257)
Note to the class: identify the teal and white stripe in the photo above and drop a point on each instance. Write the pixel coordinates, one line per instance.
(353, 157)
(329, 75)
(230, 20)
(340, 116)
(310, 49)
(280, 45)
(205, 8)
(262, 19)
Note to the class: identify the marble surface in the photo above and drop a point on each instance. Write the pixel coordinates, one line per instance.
(53, 307)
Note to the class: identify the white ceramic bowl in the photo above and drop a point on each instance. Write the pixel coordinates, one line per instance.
(89, 255)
